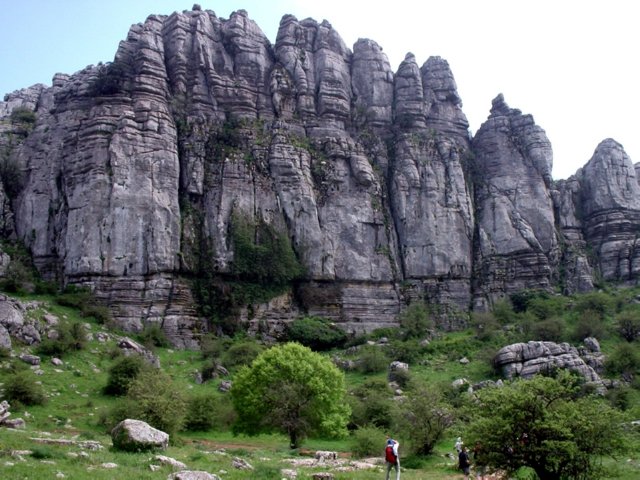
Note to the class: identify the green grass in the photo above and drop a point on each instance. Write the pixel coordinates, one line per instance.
(76, 403)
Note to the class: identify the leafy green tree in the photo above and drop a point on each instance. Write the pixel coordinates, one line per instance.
(542, 424)
(154, 398)
(293, 390)
(424, 417)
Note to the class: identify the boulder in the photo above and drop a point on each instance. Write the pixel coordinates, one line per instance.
(193, 475)
(172, 462)
(531, 358)
(134, 435)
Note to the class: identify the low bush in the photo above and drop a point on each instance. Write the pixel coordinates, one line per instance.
(590, 324)
(201, 412)
(316, 333)
(624, 361)
(212, 346)
(551, 330)
(153, 336)
(416, 321)
(71, 337)
(153, 397)
(628, 324)
(367, 442)
(372, 405)
(21, 388)
(372, 359)
(123, 372)
(241, 353)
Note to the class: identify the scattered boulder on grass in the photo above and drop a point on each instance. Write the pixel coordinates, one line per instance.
(322, 455)
(136, 435)
(30, 359)
(172, 462)
(241, 464)
(193, 475)
(131, 347)
(397, 371)
(322, 476)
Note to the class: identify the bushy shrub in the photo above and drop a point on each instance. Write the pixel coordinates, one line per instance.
(100, 313)
(153, 336)
(241, 353)
(628, 324)
(551, 330)
(416, 321)
(18, 276)
(201, 412)
(372, 359)
(424, 418)
(367, 442)
(372, 405)
(503, 312)
(408, 351)
(123, 372)
(71, 337)
(590, 324)
(485, 325)
(599, 302)
(316, 333)
(83, 299)
(21, 388)
(212, 346)
(624, 361)
(154, 398)
(23, 115)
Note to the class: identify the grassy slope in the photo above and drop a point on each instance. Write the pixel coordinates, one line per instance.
(76, 403)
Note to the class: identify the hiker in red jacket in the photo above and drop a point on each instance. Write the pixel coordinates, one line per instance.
(392, 457)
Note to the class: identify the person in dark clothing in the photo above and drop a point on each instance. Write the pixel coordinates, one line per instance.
(463, 462)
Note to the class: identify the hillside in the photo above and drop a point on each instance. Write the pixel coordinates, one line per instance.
(79, 413)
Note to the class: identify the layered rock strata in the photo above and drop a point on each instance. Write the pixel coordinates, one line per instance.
(135, 175)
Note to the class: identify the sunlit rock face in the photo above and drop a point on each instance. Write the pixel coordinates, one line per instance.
(517, 244)
(610, 210)
(132, 177)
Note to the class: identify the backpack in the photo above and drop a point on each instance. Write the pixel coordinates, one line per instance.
(389, 456)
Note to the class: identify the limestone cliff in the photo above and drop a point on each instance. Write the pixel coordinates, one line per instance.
(208, 177)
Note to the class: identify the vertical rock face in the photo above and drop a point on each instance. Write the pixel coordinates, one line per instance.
(517, 246)
(136, 176)
(610, 209)
(429, 193)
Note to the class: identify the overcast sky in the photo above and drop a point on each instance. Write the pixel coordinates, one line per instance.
(573, 64)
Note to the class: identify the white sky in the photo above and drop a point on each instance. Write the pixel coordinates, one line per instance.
(573, 64)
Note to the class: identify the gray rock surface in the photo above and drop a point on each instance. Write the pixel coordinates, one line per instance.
(528, 359)
(133, 172)
(134, 435)
(517, 242)
(193, 475)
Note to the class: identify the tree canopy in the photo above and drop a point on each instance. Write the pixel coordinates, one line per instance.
(292, 390)
(544, 424)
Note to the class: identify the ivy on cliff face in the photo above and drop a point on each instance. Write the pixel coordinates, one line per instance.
(264, 265)
(262, 255)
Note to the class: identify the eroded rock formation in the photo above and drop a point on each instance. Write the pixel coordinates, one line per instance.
(138, 177)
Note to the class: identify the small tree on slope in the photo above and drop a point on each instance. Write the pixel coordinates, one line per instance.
(292, 390)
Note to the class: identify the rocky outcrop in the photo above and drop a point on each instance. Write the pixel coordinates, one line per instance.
(517, 245)
(528, 359)
(610, 210)
(141, 178)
